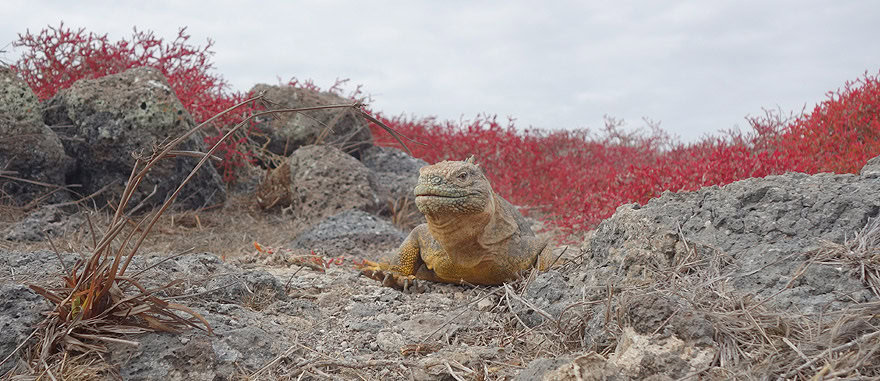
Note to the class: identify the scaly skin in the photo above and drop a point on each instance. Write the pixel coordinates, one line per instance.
(472, 236)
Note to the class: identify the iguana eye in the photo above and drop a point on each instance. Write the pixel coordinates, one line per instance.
(462, 176)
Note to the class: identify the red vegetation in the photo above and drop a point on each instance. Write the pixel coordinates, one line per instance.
(574, 178)
(578, 179)
(840, 134)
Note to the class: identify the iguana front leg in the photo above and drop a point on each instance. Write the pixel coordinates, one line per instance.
(400, 272)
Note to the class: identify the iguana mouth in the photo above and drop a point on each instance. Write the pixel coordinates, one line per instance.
(437, 195)
(423, 191)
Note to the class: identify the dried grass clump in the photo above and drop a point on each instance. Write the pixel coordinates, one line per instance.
(754, 338)
(98, 301)
(758, 340)
(861, 252)
(64, 366)
(274, 189)
(404, 213)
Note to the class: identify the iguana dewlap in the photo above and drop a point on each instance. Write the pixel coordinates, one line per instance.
(472, 236)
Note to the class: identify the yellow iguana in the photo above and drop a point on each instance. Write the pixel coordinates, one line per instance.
(473, 236)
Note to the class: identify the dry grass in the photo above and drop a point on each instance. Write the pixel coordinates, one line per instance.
(756, 339)
(274, 190)
(861, 251)
(404, 213)
(97, 302)
(9, 215)
(64, 366)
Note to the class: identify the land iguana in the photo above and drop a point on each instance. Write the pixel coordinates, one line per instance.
(473, 236)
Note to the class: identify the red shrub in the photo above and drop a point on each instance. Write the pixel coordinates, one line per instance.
(564, 174)
(841, 133)
(692, 167)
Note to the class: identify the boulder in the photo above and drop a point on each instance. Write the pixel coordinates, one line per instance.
(352, 232)
(325, 181)
(283, 133)
(397, 174)
(119, 116)
(871, 170)
(758, 236)
(761, 228)
(396, 171)
(29, 149)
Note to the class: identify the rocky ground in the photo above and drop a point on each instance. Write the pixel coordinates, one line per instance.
(760, 279)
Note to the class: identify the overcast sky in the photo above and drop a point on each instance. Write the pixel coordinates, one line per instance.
(696, 67)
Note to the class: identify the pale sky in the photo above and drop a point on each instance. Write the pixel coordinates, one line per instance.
(697, 67)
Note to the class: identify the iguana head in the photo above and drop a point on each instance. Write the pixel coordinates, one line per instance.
(452, 188)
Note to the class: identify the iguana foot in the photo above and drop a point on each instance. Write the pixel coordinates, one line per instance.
(390, 277)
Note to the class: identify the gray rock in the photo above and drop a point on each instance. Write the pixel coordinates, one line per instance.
(28, 148)
(325, 181)
(352, 232)
(358, 309)
(389, 341)
(397, 174)
(297, 307)
(871, 170)
(243, 341)
(34, 266)
(255, 288)
(192, 267)
(47, 221)
(117, 116)
(673, 315)
(396, 171)
(759, 233)
(421, 325)
(20, 310)
(392, 160)
(365, 325)
(214, 279)
(545, 292)
(762, 226)
(286, 132)
(537, 368)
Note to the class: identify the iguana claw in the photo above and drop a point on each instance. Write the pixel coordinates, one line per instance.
(407, 284)
(388, 276)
